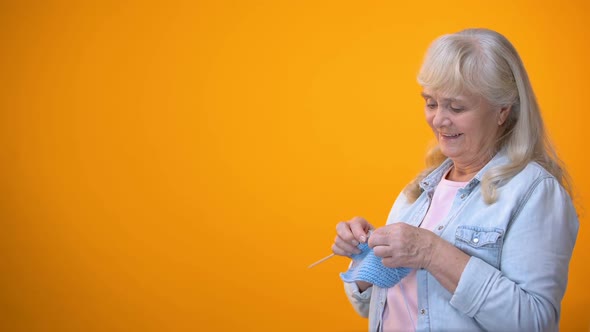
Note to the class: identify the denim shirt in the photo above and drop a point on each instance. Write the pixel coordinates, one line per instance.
(520, 249)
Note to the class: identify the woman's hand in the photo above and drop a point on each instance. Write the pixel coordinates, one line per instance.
(349, 234)
(403, 245)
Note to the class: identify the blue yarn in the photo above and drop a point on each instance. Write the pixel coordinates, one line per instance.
(368, 267)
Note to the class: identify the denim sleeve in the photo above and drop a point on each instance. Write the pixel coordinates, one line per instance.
(525, 293)
(400, 202)
(360, 301)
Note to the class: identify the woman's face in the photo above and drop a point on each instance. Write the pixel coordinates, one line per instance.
(466, 126)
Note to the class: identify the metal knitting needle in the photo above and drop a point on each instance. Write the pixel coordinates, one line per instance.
(321, 260)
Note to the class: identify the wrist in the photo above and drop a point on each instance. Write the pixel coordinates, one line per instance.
(433, 247)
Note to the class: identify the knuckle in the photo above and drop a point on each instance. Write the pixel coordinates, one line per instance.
(347, 237)
(356, 219)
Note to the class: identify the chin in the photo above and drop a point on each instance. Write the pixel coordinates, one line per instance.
(449, 154)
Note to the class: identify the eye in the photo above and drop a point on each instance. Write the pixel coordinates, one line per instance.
(431, 105)
(457, 109)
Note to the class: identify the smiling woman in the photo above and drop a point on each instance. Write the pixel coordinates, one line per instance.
(466, 128)
(490, 213)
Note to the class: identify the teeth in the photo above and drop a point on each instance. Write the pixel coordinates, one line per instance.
(447, 135)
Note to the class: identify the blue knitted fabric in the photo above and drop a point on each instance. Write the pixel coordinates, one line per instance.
(368, 267)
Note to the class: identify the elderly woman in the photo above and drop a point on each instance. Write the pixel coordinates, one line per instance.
(488, 228)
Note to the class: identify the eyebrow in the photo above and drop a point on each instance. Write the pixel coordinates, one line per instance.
(425, 96)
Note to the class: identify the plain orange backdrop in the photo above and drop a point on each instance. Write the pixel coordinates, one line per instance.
(176, 166)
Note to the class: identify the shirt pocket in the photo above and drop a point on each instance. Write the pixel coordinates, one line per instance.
(482, 242)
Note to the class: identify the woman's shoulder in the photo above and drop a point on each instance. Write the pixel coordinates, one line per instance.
(534, 170)
(532, 177)
(532, 173)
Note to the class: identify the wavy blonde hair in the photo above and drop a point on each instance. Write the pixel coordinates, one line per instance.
(484, 62)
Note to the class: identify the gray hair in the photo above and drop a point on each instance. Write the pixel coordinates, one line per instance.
(484, 62)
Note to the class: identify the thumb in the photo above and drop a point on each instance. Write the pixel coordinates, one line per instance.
(360, 231)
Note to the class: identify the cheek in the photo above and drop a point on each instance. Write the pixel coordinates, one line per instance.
(429, 118)
(482, 134)
(489, 127)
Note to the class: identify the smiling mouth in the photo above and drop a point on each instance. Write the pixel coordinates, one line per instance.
(450, 136)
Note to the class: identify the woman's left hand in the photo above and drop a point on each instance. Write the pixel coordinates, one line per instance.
(403, 245)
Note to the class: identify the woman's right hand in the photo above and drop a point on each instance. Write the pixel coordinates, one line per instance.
(349, 234)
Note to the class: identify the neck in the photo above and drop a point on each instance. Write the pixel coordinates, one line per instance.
(460, 176)
(464, 173)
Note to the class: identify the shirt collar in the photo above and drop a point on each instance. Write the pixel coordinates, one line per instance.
(431, 180)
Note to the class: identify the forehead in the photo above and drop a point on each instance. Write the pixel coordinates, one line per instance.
(428, 93)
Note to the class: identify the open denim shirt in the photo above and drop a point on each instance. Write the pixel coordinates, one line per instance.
(520, 250)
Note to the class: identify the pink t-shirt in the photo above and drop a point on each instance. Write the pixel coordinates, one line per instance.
(401, 308)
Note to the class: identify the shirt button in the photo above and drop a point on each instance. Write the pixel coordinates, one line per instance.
(422, 311)
(475, 240)
(441, 227)
(463, 196)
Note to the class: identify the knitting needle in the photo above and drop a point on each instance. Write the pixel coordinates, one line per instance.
(321, 260)
(332, 255)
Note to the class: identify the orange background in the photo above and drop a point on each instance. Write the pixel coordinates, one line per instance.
(176, 166)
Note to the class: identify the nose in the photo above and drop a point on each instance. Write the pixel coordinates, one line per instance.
(440, 118)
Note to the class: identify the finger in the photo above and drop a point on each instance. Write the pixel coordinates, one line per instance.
(346, 246)
(382, 251)
(383, 235)
(344, 232)
(344, 251)
(359, 228)
(379, 238)
(339, 251)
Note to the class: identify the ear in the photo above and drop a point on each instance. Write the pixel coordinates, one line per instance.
(503, 115)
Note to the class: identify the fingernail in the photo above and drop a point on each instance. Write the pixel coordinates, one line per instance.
(355, 243)
(363, 238)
